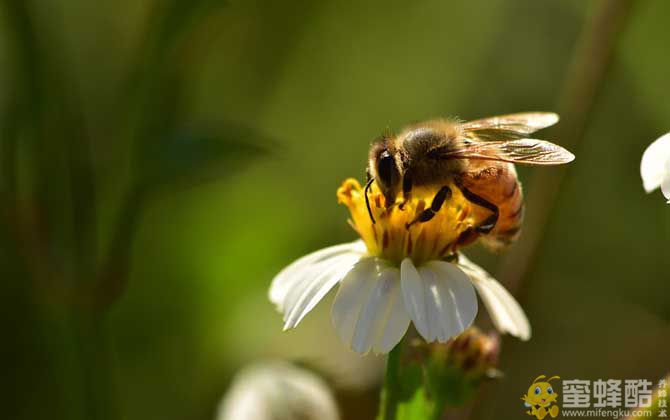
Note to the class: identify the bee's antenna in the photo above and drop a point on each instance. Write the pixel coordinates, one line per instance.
(367, 200)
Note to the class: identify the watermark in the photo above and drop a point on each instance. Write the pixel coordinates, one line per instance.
(607, 398)
(541, 398)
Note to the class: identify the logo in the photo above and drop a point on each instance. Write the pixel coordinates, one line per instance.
(541, 398)
(605, 398)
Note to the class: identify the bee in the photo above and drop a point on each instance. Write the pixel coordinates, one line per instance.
(477, 157)
(540, 397)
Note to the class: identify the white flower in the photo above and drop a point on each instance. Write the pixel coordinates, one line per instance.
(277, 390)
(397, 274)
(376, 300)
(655, 166)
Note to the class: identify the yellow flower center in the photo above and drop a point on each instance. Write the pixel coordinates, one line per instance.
(391, 238)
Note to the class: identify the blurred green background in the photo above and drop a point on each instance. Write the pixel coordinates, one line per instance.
(162, 160)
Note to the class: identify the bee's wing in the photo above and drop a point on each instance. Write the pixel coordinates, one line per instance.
(523, 123)
(524, 151)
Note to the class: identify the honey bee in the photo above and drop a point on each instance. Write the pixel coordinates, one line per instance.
(477, 157)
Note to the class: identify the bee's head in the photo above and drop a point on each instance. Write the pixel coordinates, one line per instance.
(384, 168)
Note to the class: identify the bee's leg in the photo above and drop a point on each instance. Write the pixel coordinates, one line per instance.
(490, 222)
(406, 188)
(367, 199)
(442, 195)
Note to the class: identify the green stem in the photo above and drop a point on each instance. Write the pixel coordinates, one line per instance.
(438, 407)
(97, 382)
(390, 397)
(592, 60)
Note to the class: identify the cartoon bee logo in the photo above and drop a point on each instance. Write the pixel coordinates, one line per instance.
(540, 398)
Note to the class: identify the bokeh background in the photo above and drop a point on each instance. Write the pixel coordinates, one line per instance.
(162, 160)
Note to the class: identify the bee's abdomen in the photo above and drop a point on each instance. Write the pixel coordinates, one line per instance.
(511, 209)
(498, 184)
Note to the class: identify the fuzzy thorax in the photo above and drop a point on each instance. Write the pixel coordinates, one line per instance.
(391, 239)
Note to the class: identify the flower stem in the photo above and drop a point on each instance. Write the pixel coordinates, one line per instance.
(391, 391)
(438, 407)
(593, 57)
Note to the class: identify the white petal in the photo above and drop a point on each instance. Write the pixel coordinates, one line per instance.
(397, 322)
(319, 280)
(354, 289)
(413, 295)
(504, 310)
(441, 302)
(273, 390)
(665, 185)
(284, 281)
(461, 293)
(653, 167)
(368, 312)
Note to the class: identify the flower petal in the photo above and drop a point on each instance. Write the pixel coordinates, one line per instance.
(277, 390)
(456, 307)
(283, 282)
(397, 321)
(301, 285)
(441, 301)
(368, 312)
(653, 167)
(504, 310)
(354, 289)
(413, 295)
(665, 185)
(305, 295)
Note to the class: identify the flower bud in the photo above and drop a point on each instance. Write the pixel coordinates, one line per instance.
(453, 370)
(474, 353)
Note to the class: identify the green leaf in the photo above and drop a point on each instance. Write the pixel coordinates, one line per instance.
(424, 379)
(193, 156)
(177, 17)
(449, 384)
(404, 396)
(411, 376)
(418, 407)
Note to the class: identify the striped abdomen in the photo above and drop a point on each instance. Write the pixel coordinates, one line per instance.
(497, 183)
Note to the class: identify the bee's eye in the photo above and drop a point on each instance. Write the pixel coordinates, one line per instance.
(386, 167)
(537, 390)
(550, 391)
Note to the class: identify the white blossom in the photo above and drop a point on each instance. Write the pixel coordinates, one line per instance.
(655, 166)
(277, 390)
